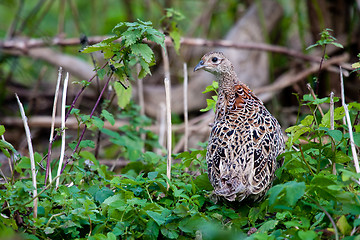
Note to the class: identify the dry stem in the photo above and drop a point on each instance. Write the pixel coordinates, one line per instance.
(31, 153)
(62, 151)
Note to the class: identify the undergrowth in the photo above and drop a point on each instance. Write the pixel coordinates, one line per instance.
(315, 195)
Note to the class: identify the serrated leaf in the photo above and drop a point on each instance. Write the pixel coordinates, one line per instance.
(145, 68)
(131, 36)
(156, 37)
(108, 116)
(143, 50)
(294, 191)
(123, 95)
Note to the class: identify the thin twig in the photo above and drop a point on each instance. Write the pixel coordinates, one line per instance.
(328, 215)
(186, 117)
(348, 120)
(90, 116)
(31, 153)
(168, 118)
(25, 44)
(48, 167)
(314, 96)
(63, 139)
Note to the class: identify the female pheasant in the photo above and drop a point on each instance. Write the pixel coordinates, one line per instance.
(245, 139)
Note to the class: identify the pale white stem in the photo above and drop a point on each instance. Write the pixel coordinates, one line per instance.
(54, 114)
(168, 118)
(31, 153)
(348, 120)
(141, 103)
(62, 151)
(332, 127)
(186, 117)
(162, 125)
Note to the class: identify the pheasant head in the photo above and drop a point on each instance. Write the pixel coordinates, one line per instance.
(217, 64)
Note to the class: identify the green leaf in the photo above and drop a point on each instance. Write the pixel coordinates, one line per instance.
(307, 235)
(343, 225)
(123, 95)
(108, 116)
(294, 191)
(355, 65)
(202, 182)
(101, 73)
(158, 218)
(131, 36)
(2, 130)
(211, 104)
(308, 120)
(152, 175)
(267, 226)
(175, 35)
(143, 50)
(96, 47)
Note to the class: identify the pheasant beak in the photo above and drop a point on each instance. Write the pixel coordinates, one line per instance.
(199, 66)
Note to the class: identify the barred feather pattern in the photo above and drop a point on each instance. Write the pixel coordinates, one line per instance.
(245, 139)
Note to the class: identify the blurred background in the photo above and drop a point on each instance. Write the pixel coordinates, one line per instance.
(266, 40)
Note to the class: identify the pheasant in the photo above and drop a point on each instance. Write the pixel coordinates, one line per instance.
(245, 139)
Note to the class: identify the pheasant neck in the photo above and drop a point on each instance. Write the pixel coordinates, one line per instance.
(227, 82)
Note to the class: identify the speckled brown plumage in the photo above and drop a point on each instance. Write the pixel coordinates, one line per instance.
(245, 139)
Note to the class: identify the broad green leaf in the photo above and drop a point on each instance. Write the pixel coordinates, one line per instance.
(175, 35)
(101, 73)
(343, 225)
(158, 218)
(108, 116)
(97, 122)
(308, 120)
(123, 95)
(307, 235)
(267, 226)
(294, 191)
(335, 134)
(152, 175)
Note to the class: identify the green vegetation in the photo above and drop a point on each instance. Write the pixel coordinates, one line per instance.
(316, 194)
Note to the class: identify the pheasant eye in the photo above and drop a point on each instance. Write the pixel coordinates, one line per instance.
(214, 59)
